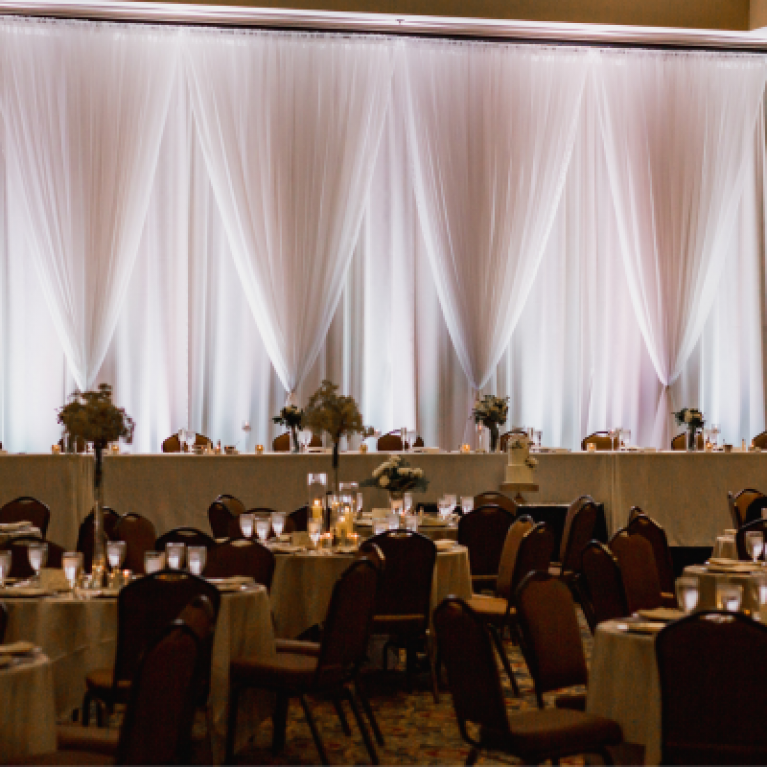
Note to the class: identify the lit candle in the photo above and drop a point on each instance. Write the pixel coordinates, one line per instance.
(259, 449)
(316, 509)
(465, 448)
(591, 448)
(55, 449)
(363, 448)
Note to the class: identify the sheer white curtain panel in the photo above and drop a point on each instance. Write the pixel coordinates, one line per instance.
(678, 134)
(491, 129)
(84, 107)
(289, 126)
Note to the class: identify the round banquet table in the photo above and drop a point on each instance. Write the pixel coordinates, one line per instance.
(623, 685)
(80, 635)
(27, 714)
(433, 532)
(303, 583)
(707, 581)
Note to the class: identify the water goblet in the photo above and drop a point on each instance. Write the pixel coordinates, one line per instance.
(403, 437)
(314, 528)
(197, 556)
(5, 566)
(152, 562)
(755, 544)
(247, 522)
(360, 503)
(380, 525)
(539, 439)
(444, 509)
(715, 431)
(116, 551)
(411, 522)
(37, 554)
(174, 553)
(451, 499)
(263, 526)
(191, 438)
(278, 523)
(687, 593)
(407, 502)
(467, 503)
(729, 596)
(626, 437)
(182, 437)
(412, 436)
(305, 437)
(393, 520)
(72, 564)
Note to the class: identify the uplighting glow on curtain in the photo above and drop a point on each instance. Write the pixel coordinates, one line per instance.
(255, 211)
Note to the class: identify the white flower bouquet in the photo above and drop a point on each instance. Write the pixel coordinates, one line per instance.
(396, 476)
(491, 410)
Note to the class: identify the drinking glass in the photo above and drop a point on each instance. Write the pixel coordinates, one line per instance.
(360, 503)
(452, 500)
(380, 525)
(444, 508)
(412, 435)
(403, 437)
(174, 553)
(317, 486)
(116, 551)
(197, 557)
(408, 499)
(245, 426)
(725, 547)
(729, 596)
(72, 564)
(393, 520)
(539, 439)
(191, 437)
(411, 522)
(152, 562)
(314, 528)
(480, 436)
(467, 503)
(626, 437)
(396, 505)
(247, 522)
(687, 593)
(5, 566)
(759, 585)
(715, 432)
(263, 526)
(612, 433)
(278, 523)
(38, 556)
(755, 544)
(182, 437)
(305, 438)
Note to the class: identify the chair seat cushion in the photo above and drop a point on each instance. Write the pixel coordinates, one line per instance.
(298, 647)
(561, 731)
(575, 701)
(96, 740)
(491, 609)
(286, 670)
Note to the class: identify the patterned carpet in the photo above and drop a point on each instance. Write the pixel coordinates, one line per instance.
(416, 730)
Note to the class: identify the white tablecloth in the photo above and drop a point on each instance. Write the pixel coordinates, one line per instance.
(707, 588)
(624, 686)
(27, 711)
(303, 583)
(80, 636)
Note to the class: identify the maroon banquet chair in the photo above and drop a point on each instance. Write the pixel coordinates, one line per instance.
(27, 509)
(638, 570)
(189, 536)
(19, 548)
(85, 534)
(483, 531)
(139, 535)
(600, 586)
(241, 557)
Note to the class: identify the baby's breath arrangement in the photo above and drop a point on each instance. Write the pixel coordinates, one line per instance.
(93, 417)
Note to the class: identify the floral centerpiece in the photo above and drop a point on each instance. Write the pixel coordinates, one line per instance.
(291, 416)
(91, 416)
(395, 476)
(692, 420)
(336, 414)
(491, 411)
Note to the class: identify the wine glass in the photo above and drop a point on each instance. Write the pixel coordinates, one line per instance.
(5, 566)
(612, 433)
(403, 437)
(687, 593)
(393, 520)
(444, 508)
(153, 562)
(191, 437)
(715, 432)
(313, 527)
(72, 564)
(755, 544)
(116, 551)
(360, 503)
(408, 502)
(197, 557)
(626, 437)
(263, 526)
(182, 437)
(380, 525)
(467, 503)
(245, 426)
(729, 596)
(278, 523)
(37, 554)
(539, 439)
(174, 553)
(412, 435)
(247, 521)
(411, 523)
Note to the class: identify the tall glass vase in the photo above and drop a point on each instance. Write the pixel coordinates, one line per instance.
(692, 444)
(294, 446)
(494, 436)
(99, 561)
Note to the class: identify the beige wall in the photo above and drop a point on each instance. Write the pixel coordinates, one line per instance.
(701, 14)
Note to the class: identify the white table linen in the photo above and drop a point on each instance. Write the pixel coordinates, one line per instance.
(707, 582)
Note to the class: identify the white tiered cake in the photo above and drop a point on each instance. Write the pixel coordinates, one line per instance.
(517, 472)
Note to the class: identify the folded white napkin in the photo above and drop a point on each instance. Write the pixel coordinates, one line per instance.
(10, 527)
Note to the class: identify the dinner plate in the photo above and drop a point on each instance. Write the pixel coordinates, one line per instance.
(234, 580)
(664, 614)
(642, 627)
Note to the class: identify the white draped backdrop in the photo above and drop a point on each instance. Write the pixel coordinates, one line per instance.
(212, 220)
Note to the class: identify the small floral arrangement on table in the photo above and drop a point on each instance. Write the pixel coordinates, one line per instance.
(690, 418)
(396, 476)
(491, 411)
(291, 416)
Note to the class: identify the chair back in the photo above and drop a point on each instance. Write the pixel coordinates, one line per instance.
(483, 531)
(139, 535)
(347, 623)
(713, 690)
(634, 511)
(390, 442)
(281, 444)
(190, 536)
(3, 621)
(655, 535)
(235, 505)
(580, 521)
(760, 440)
(638, 570)
(173, 445)
(157, 727)
(492, 498)
(27, 509)
(475, 684)
(220, 519)
(145, 606)
(241, 557)
(601, 585)
(295, 522)
(533, 555)
(19, 548)
(85, 534)
(599, 438)
(519, 528)
(759, 525)
(680, 442)
(405, 587)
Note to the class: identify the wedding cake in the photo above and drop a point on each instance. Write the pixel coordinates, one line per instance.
(520, 469)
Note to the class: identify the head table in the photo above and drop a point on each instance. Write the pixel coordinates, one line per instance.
(685, 492)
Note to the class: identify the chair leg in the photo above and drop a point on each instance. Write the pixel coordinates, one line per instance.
(504, 660)
(231, 723)
(280, 722)
(433, 669)
(342, 716)
(366, 707)
(87, 709)
(315, 731)
(363, 729)
(472, 756)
